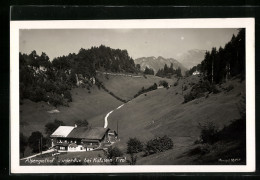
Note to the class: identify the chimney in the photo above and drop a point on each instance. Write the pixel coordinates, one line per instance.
(75, 125)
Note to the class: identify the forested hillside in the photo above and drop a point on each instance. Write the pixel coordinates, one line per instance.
(224, 63)
(44, 80)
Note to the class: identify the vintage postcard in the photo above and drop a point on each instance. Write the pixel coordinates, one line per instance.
(114, 96)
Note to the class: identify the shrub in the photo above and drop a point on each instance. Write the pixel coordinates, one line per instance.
(200, 150)
(23, 143)
(185, 88)
(134, 145)
(209, 133)
(163, 83)
(55, 99)
(158, 144)
(67, 95)
(113, 153)
(143, 90)
(176, 83)
(198, 90)
(82, 123)
(50, 127)
(34, 142)
(229, 88)
(214, 89)
(133, 159)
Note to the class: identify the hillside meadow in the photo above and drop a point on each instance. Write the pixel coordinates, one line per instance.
(152, 114)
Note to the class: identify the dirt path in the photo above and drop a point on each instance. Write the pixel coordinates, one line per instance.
(106, 118)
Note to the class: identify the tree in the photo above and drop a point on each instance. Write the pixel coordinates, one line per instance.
(67, 95)
(114, 153)
(163, 83)
(23, 143)
(82, 123)
(226, 62)
(138, 67)
(178, 72)
(50, 127)
(37, 142)
(158, 144)
(134, 146)
(149, 71)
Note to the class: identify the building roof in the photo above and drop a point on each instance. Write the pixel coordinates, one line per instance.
(62, 131)
(95, 133)
(88, 133)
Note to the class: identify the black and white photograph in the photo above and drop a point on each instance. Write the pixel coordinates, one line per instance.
(96, 96)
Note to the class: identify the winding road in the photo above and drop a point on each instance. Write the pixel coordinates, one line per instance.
(106, 121)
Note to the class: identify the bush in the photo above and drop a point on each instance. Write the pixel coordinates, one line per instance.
(214, 89)
(23, 143)
(185, 88)
(199, 90)
(82, 123)
(229, 88)
(163, 83)
(143, 90)
(200, 150)
(159, 144)
(113, 153)
(176, 83)
(67, 95)
(134, 146)
(209, 133)
(55, 99)
(34, 142)
(50, 127)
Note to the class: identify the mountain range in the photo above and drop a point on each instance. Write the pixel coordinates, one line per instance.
(191, 58)
(158, 63)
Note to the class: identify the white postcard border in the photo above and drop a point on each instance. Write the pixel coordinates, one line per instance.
(248, 23)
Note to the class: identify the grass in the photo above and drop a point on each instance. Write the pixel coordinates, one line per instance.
(92, 107)
(161, 113)
(127, 87)
(158, 113)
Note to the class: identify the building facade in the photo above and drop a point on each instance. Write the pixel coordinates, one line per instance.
(73, 138)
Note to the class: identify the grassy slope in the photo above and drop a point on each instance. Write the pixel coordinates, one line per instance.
(91, 106)
(126, 87)
(157, 113)
(161, 112)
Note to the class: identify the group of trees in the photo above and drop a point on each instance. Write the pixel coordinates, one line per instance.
(169, 71)
(221, 64)
(149, 71)
(51, 81)
(158, 144)
(38, 142)
(193, 69)
(144, 90)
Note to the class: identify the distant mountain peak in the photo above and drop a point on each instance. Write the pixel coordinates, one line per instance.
(158, 63)
(192, 57)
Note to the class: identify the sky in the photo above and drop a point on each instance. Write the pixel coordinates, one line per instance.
(168, 43)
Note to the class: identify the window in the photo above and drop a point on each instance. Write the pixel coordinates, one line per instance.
(62, 148)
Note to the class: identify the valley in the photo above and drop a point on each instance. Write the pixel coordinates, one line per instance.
(153, 114)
